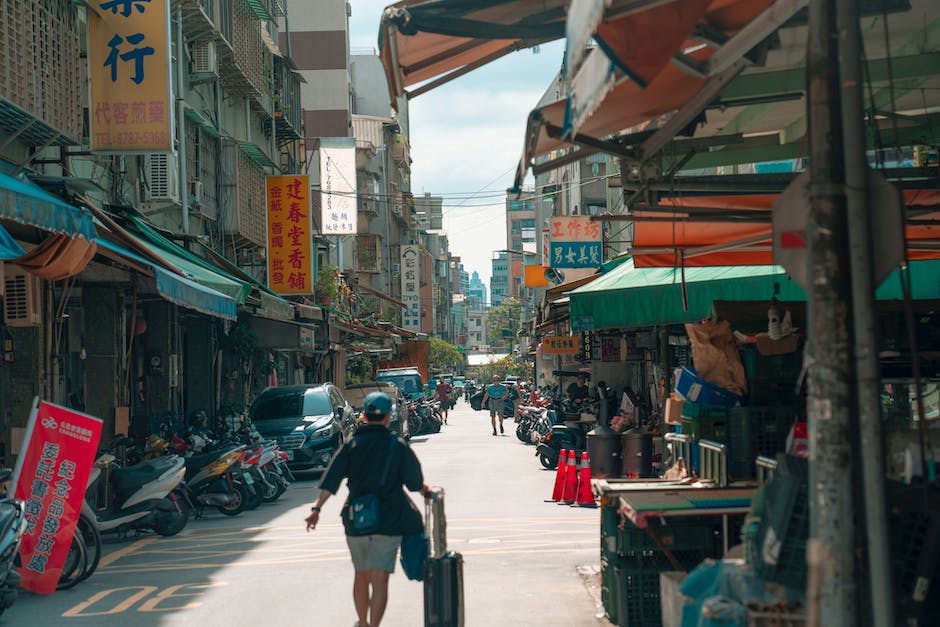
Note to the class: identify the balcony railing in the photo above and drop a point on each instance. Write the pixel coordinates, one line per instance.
(41, 107)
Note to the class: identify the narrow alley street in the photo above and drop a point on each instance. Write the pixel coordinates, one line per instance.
(527, 562)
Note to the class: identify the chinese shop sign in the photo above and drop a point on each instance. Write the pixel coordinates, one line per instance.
(339, 210)
(575, 242)
(290, 234)
(129, 71)
(561, 345)
(411, 287)
(50, 478)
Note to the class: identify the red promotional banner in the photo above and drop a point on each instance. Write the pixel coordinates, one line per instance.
(50, 477)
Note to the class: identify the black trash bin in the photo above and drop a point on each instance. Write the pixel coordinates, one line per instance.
(603, 445)
(637, 455)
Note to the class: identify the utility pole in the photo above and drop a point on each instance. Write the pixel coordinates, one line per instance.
(831, 577)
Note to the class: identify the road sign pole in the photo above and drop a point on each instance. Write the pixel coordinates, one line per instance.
(831, 581)
(859, 210)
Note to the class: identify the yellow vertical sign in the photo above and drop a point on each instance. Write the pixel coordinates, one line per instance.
(129, 70)
(290, 234)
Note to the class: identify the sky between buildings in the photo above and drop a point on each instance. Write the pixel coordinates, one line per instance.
(466, 137)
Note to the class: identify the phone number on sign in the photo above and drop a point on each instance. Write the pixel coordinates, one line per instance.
(130, 138)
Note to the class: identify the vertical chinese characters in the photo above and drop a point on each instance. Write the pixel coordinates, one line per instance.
(290, 234)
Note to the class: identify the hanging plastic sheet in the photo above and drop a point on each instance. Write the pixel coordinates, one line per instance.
(58, 257)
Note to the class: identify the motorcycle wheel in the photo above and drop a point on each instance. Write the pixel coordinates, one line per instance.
(522, 434)
(170, 522)
(88, 528)
(74, 566)
(255, 498)
(547, 462)
(269, 495)
(240, 500)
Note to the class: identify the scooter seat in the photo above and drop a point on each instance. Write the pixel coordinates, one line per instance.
(197, 462)
(128, 480)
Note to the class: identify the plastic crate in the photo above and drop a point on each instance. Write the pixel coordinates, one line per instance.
(677, 535)
(609, 592)
(692, 388)
(757, 366)
(701, 410)
(914, 523)
(786, 521)
(715, 429)
(772, 390)
(638, 597)
(756, 430)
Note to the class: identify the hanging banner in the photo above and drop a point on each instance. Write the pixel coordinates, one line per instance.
(290, 234)
(611, 347)
(411, 287)
(339, 213)
(575, 242)
(561, 345)
(50, 477)
(129, 73)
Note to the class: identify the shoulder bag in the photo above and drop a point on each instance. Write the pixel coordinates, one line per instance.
(364, 509)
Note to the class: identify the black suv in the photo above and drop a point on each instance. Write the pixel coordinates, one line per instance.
(309, 422)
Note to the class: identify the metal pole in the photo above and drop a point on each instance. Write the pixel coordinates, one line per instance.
(831, 586)
(866, 360)
(181, 118)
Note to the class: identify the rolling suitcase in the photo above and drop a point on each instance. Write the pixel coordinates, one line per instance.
(443, 571)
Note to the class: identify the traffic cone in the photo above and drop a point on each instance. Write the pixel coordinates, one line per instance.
(585, 495)
(559, 490)
(571, 480)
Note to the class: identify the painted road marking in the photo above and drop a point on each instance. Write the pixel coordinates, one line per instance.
(109, 559)
(152, 604)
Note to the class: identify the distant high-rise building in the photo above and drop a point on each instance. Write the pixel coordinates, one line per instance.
(499, 279)
(476, 292)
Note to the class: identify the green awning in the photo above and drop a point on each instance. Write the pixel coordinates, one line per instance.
(256, 155)
(197, 268)
(25, 202)
(629, 297)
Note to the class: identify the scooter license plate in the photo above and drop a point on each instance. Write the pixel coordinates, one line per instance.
(248, 479)
(290, 455)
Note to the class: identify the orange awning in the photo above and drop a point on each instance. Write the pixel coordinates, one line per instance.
(683, 239)
(421, 40)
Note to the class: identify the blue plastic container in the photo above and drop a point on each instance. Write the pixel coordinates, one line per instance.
(693, 388)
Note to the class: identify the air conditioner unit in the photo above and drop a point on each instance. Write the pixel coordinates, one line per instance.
(21, 297)
(204, 60)
(196, 193)
(160, 178)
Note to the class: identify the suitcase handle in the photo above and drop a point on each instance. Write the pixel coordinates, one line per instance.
(436, 523)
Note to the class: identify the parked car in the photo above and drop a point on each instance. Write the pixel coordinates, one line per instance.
(309, 422)
(357, 392)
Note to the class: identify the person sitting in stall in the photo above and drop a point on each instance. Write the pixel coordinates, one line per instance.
(578, 391)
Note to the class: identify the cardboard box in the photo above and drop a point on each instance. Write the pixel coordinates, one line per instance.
(673, 414)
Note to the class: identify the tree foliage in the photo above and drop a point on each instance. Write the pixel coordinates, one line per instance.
(503, 321)
(443, 356)
(508, 365)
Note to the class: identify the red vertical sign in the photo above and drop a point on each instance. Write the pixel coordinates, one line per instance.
(50, 477)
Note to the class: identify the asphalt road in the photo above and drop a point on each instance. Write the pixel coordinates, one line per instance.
(527, 562)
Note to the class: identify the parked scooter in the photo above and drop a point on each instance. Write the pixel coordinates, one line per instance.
(12, 526)
(571, 435)
(145, 496)
(211, 480)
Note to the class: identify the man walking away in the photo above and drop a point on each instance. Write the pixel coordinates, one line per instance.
(442, 395)
(495, 399)
(362, 461)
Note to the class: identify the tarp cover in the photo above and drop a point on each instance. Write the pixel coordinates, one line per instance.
(635, 297)
(58, 257)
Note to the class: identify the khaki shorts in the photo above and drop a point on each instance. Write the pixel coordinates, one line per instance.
(496, 406)
(373, 552)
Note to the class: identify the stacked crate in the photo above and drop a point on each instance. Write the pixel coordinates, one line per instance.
(631, 563)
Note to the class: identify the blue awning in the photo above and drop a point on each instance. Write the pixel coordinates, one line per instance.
(9, 249)
(179, 290)
(27, 203)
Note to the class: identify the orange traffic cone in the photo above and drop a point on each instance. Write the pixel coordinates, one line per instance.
(585, 495)
(571, 480)
(559, 490)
